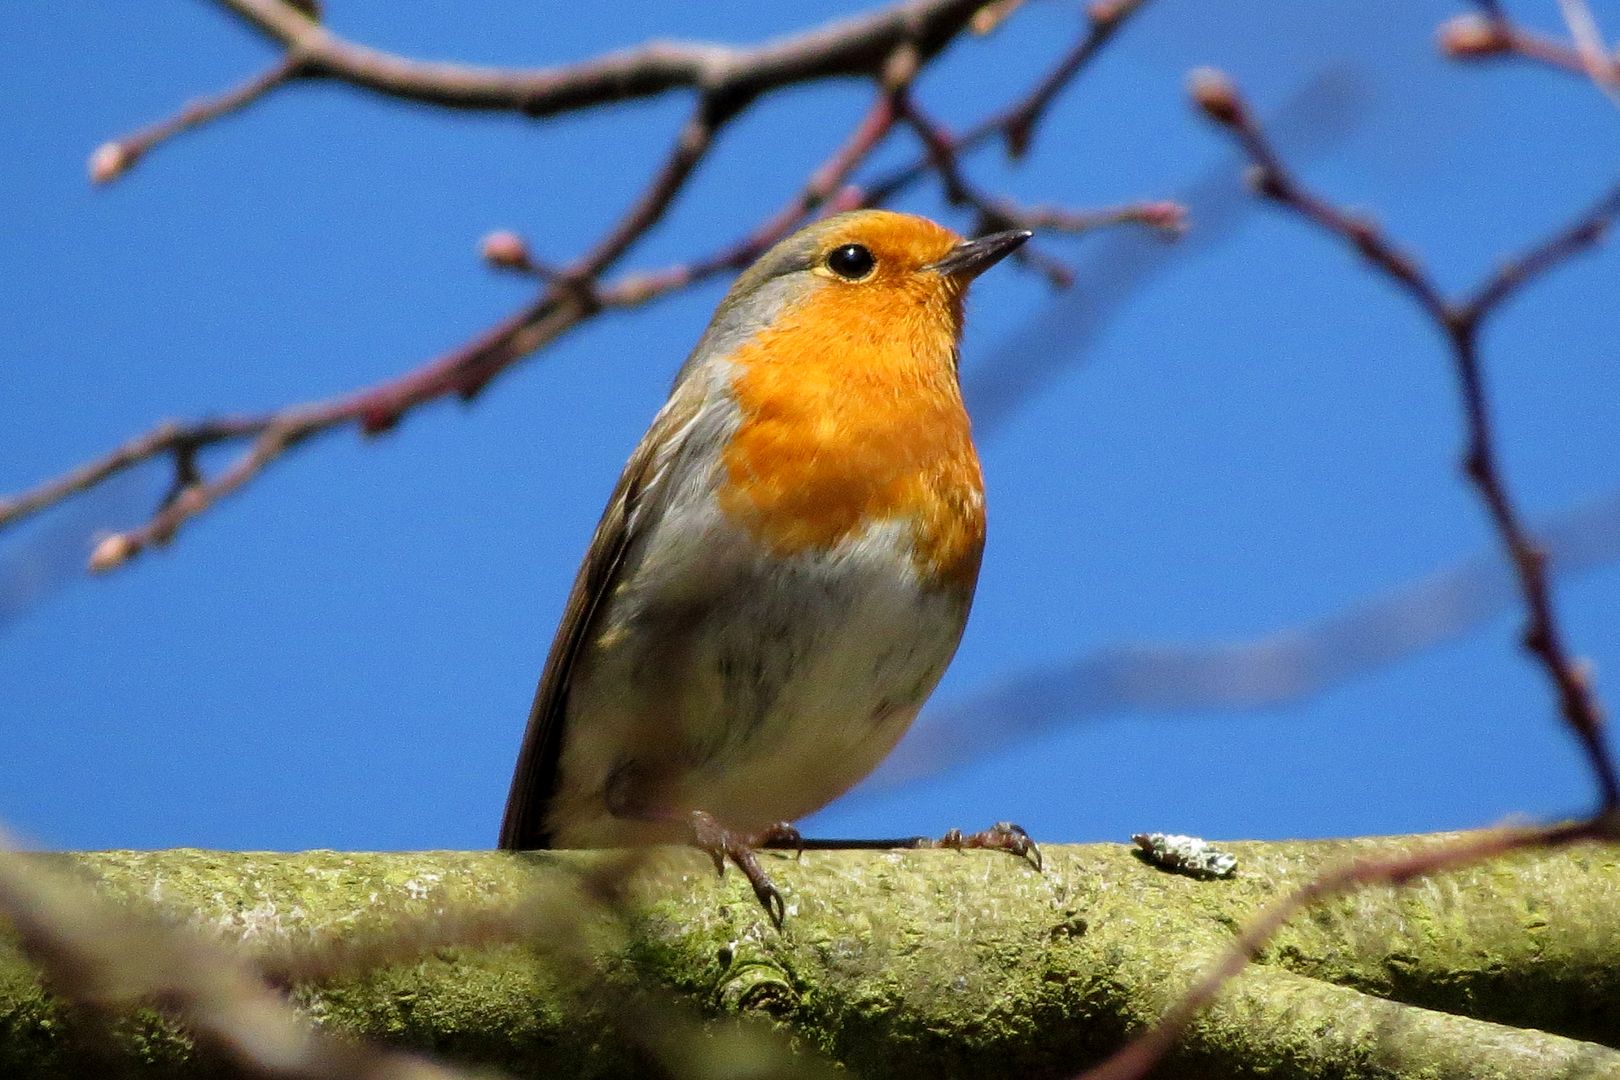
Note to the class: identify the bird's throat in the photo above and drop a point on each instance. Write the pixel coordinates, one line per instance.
(849, 418)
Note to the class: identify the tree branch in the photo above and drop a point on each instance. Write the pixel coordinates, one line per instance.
(1140, 1055)
(1492, 33)
(993, 214)
(897, 964)
(889, 46)
(1459, 322)
(856, 46)
(107, 958)
(1218, 97)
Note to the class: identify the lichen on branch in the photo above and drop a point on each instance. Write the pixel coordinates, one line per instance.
(893, 964)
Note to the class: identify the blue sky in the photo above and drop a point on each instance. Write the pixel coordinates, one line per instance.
(1200, 444)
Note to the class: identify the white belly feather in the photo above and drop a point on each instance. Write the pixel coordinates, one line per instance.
(752, 687)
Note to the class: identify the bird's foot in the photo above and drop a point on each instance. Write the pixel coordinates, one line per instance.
(779, 836)
(723, 844)
(1002, 836)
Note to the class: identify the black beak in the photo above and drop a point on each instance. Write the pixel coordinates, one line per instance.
(967, 261)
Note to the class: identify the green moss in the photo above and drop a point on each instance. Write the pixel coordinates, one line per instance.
(895, 964)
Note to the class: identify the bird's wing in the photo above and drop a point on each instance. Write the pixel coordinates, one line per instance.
(535, 779)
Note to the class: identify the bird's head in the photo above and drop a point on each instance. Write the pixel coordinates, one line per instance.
(861, 278)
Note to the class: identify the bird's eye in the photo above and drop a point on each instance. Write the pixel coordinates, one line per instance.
(852, 261)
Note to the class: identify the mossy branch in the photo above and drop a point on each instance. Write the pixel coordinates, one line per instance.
(930, 963)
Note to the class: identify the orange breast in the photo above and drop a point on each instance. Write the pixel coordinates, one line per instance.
(851, 415)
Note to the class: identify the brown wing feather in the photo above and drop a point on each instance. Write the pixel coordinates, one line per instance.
(528, 804)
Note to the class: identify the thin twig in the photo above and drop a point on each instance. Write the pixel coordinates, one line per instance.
(1601, 66)
(112, 159)
(994, 213)
(169, 438)
(464, 371)
(1490, 33)
(693, 142)
(1580, 234)
(1460, 322)
(1017, 122)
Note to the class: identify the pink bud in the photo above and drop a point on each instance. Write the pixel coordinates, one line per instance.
(1215, 93)
(1471, 35)
(110, 161)
(111, 553)
(506, 250)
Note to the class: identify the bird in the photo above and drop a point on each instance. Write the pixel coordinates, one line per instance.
(785, 566)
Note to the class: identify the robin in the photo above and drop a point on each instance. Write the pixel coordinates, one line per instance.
(786, 565)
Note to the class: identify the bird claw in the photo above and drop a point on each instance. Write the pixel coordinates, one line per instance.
(1002, 836)
(779, 836)
(722, 844)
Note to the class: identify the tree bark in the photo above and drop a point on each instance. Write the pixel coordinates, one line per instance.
(894, 964)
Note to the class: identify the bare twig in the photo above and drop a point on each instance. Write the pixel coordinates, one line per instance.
(112, 159)
(993, 213)
(1460, 322)
(691, 145)
(889, 46)
(1601, 65)
(463, 371)
(170, 438)
(1491, 33)
(1016, 123)
(856, 46)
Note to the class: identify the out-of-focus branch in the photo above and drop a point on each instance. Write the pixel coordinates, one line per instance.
(226, 985)
(182, 441)
(1601, 64)
(889, 46)
(1491, 32)
(109, 959)
(1267, 672)
(1460, 322)
(1121, 265)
